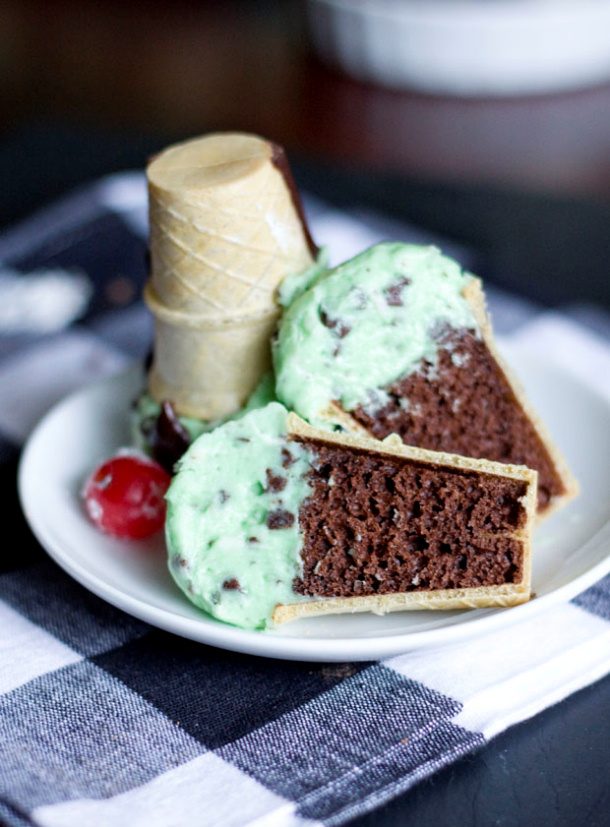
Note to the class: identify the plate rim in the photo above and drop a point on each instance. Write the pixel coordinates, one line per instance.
(310, 648)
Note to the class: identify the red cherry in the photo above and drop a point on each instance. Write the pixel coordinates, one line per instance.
(125, 496)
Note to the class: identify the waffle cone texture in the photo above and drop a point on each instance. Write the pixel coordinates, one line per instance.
(225, 229)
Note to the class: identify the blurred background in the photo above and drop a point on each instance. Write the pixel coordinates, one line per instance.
(493, 130)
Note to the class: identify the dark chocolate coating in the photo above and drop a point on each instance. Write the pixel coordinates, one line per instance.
(167, 439)
(280, 162)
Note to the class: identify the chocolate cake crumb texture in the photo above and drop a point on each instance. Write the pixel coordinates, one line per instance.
(275, 482)
(279, 518)
(382, 524)
(338, 327)
(393, 294)
(464, 405)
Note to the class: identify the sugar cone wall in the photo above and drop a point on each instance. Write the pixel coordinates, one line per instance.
(224, 231)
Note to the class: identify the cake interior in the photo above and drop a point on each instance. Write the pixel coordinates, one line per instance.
(465, 405)
(380, 524)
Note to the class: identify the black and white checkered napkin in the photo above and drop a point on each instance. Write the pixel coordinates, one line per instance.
(107, 721)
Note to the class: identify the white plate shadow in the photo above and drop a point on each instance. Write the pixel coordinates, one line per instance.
(571, 550)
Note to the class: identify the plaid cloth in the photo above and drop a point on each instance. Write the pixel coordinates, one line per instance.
(107, 721)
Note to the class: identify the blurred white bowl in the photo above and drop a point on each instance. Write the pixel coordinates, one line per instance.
(466, 47)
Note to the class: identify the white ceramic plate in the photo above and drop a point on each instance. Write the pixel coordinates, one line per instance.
(571, 550)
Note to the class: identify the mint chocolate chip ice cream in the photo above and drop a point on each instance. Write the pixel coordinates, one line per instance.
(232, 521)
(360, 326)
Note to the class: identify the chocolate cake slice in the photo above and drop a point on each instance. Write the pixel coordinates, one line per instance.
(397, 341)
(389, 527)
(270, 519)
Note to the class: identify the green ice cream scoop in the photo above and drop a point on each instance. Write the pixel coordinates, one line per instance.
(359, 327)
(232, 527)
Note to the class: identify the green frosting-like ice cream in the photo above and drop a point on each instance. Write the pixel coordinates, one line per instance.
(232, 526)
(359, 327)
(146, 411)
(296, 283)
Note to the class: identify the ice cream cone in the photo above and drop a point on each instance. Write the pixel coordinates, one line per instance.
(226, 227)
